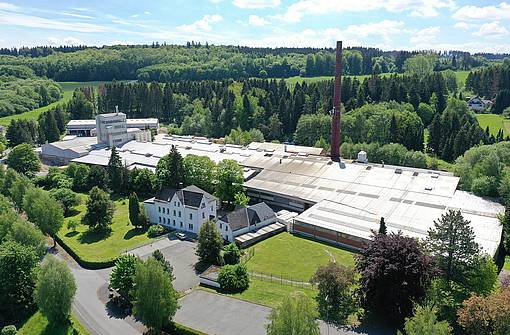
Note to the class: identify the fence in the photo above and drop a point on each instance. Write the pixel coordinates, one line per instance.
(279, 279)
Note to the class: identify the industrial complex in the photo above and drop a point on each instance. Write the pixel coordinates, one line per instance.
(337, 201)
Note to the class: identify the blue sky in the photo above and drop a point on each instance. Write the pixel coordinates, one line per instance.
(387, 24)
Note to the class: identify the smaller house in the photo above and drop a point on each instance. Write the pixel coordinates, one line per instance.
(244, 220)
(478, 104)
(182, 209)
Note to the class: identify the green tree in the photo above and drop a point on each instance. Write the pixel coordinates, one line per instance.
(199, 171)
(9, 330)
(97, 177)
(158, 255)
(100, 209)
(66, 197)
(114, 168)
(17, 281)
(452, 242)
(336, 292)
(80, 107)
(234, 278)
(23, 159)
(420, 65)
(425, 322)
(382, 226)
(25, 233)
(170, 170)
(44, 211)
(55, 290)
(79, 173)
(18, 189)
(155, 300)
(209, 243)
(231, 254)
(121, 278)
(241, 199)
(229, 177)
(296, 315)
(134, 209)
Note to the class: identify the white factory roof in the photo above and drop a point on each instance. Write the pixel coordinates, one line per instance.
(91, 123)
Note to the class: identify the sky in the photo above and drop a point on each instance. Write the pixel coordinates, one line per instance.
(470, 25)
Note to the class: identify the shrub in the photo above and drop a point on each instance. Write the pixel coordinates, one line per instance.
(9, 330)
(234, 278)
(231, 254)
(156, 230)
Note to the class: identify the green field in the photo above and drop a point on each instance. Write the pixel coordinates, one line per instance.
(294, 257)
(38, 325)
(495, 123)
(507, 264)
(266, 293)
(68, 89)
(92, 246)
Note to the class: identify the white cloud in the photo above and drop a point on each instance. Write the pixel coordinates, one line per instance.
(75, 15)
(256, 3)
(135, 15)
(118, 42)
(30, 21)
(147, 12)
(383, 29)
(426, 8)
(255, 20)
(462, 25)
(499, 12)
(491, 29)
(65, 41)
(204, 24)
(424, 38)
(8, 6)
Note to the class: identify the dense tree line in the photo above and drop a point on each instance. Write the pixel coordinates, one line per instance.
(40, 51)
(21, 91)
(488, 81)
(161, 62)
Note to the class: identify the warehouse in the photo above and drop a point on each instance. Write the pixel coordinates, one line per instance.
(87, 128)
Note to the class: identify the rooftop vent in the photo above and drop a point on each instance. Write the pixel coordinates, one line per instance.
(398, 171)
(415, 174)
(362, 157)
(428, 188)
(435, 175)
(369, 168)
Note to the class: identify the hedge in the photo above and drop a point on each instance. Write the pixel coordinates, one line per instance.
(177, 329)
(90, 265)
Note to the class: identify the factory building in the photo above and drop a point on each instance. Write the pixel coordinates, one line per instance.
(87, 128)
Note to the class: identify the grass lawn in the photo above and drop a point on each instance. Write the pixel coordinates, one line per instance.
(291, 256)
(507, 264)
(38, 325)
(461, 77)
(93, 246)
(68, 89)
(495, 123)
(266, 293)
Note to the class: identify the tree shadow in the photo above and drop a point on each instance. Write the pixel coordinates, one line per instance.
(201, 267)
(134, 232)
(72, 212)
(61, 329)
(114, 310)
(93, 236)
(72, 233)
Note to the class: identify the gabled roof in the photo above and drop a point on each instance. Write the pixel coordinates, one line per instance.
(248, 216)
(190, 196)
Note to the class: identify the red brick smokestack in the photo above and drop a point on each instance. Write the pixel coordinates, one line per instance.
(337, 113)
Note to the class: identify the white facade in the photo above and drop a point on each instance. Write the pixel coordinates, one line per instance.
(176, 213)
(245, 220)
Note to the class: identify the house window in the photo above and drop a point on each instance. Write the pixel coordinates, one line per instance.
(173, 222)
(226, 228)
(164, 221)
(160, 219)
(178, 204)
(190, 226)
(174, 212)
(221, 225)
(179, 213)
(159, 209)
(211, 208)
(190, 216)
(168, 211)
(181, 224)
(203, 205)
(203, 215)
(175, 203)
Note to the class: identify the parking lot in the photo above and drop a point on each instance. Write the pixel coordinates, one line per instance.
(182, 257)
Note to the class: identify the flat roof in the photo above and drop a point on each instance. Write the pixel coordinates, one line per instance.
(358, 217)
(92, 122)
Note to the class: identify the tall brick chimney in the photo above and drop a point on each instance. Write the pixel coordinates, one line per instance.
(337, 113)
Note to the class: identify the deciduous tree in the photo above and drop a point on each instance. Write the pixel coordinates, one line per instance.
(296, 315)
(100, 209)
(23, 159)
(209, 243)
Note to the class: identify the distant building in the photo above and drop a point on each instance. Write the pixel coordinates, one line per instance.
(478, 104)
(84, 128)
(182, 209)
(245, 220)
(112, 130)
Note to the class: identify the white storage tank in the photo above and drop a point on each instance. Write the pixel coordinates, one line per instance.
(362, 157)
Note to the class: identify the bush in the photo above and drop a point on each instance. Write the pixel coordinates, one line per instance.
(231, 254)
(234, 278)
(9, 330)
(156, 230)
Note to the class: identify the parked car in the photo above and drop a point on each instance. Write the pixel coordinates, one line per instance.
(181, 236)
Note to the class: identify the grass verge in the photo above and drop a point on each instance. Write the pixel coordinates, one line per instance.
(38, 325)
(506, 266)
(97, 249)
(265, 293)
(292, 256)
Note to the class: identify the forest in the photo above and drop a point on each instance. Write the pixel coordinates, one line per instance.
(21, 91)
(161, 62)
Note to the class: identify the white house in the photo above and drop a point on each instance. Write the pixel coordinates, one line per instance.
(244, 220)
(183, 209)
(478, 104)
